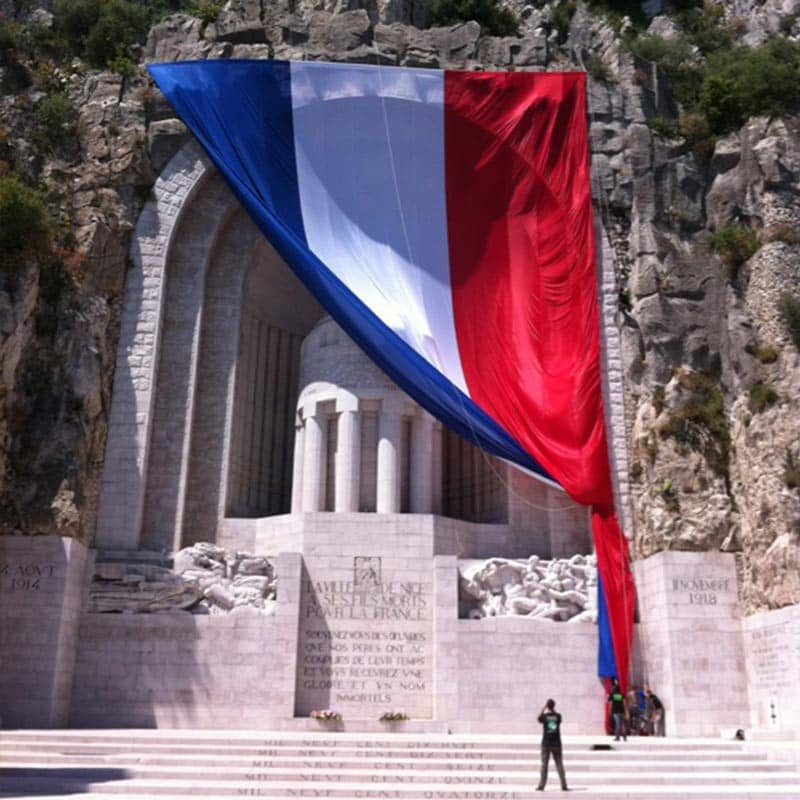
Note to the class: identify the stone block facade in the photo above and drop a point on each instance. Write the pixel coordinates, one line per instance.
(177, 670)
(367, 621)
(692, 650)
(42, 586)
(772, 648)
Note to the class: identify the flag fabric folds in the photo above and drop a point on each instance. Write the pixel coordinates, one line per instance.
(444, 220)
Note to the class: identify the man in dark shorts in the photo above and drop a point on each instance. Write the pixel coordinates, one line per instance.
(551, 744)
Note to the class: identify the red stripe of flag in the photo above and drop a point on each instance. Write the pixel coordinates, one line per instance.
(522, 269)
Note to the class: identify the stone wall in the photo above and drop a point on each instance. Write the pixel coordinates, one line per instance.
(42, 584)
(772, 645)
(185, 670)
(494, 675)
(367, 621)
(690, 640)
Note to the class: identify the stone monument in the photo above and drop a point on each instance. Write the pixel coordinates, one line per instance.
(282, 530)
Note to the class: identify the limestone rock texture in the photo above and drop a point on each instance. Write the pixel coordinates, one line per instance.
(711, 375)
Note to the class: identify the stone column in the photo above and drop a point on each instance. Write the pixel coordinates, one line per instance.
(390, 426)
(422, 463)
(297, 467)
(445, 639)
(348, 452)
(312, 459)
(436, 468)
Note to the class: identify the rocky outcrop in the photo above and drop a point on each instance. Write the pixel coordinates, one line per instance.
(58, 320)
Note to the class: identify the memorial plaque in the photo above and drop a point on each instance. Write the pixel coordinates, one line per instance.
(773, 656)
(366, 626)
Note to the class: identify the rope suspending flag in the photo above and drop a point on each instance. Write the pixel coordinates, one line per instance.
(444, 220)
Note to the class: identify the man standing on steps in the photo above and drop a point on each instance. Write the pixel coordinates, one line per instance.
(619, 711)
(551, 744)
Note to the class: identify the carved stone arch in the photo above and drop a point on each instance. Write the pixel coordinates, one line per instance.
(168, 454)
(128, 442)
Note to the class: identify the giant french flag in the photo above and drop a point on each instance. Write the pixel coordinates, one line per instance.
(444, 219)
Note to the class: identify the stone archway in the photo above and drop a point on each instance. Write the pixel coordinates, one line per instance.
(203, 410)
(179, 414)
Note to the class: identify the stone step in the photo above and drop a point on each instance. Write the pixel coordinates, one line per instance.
(392, 741)
(288, 747)
(180, 790)
(588, 760)
(418, 754)
(217, 776)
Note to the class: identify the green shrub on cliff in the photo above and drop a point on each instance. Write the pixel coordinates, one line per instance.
(711, 76)
(493, 18)
(9, 41)
(560, 18)
(745, 82)
(676, 59)
(735, 244)
(698, 422)
(789, 306)
(54, 121)
(24, 222)
(94, 29)
(761, 396)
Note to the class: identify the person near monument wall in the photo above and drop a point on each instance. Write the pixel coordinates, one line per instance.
(619, 712)
(655, 712)
(551, 744)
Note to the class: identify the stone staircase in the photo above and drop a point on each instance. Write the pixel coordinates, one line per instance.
(223, 764)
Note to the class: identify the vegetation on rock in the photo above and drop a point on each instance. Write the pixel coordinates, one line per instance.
(767, 354)
(714, 78)
(699, 421)
(735, 244)
(744, 82)
(561, 18)
(761, 396)
(489, 14)
(789, 305)
(24, 223)
(55, 121)
(791, 470)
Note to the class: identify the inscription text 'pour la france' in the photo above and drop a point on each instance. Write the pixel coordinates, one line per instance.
(347, 600)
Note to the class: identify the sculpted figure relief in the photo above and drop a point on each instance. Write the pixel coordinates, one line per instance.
(204, 580)
(562, 590)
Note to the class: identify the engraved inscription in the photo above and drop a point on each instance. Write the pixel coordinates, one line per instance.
(772, 660)
(365, 639)
(25, 577)
(701, 591)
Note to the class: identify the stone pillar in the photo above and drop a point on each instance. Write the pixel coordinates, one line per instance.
(312, 459)
(690, 639)
(297, 468)
(436, 467)
(390, 426)
(348, 452)
(42, 587)
(422, 463)
(447, 667)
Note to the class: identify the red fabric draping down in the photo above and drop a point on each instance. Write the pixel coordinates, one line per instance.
(522, 262)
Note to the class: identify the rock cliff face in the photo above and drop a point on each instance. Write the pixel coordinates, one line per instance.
(712, 374)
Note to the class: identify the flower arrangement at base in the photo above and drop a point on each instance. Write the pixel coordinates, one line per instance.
(393, 716)
(326, 715)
